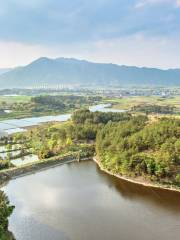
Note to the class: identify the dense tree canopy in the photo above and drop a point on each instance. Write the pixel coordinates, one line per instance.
(148, 108)
(63, 102)
(85, 116)
(138, 148)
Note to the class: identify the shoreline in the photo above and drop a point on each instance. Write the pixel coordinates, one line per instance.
(13, 173)
(134, 181)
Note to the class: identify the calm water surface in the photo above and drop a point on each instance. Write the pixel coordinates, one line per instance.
(79, 202)
(17, 125)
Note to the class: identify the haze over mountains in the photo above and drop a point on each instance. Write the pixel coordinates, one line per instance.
(4, 70)
(73, 72)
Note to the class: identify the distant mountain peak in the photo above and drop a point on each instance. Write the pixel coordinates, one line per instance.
(41, 60)
(73, 72)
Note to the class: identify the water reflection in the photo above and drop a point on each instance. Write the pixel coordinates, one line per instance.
(164, 199)
(77, 201)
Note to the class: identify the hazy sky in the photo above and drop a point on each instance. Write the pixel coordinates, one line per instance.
(129, 32)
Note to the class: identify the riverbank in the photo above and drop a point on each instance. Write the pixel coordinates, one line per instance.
(12, 173)
(21, 123)
(135, 181)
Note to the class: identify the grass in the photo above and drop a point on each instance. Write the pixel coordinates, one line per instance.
(129, 102)
(14, 99)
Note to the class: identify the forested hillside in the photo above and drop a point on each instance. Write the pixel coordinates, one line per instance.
(137, 148)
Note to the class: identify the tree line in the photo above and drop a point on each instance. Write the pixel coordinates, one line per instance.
(148, 109)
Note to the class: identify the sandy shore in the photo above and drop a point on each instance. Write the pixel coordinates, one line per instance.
(143, 183)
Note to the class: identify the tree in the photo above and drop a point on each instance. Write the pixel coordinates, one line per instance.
(5, 211)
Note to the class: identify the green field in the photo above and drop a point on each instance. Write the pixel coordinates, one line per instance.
(14, 99)
(129, 102)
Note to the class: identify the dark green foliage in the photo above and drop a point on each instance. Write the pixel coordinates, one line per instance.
(146, 108)
(136, 148)
(5, 211)
(85, 116)
(65, 102)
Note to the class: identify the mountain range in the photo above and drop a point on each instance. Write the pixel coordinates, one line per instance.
(73, 72)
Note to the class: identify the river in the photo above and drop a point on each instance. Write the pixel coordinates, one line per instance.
(18, 125)
(78, 201)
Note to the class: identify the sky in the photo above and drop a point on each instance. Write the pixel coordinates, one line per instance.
(125, 32)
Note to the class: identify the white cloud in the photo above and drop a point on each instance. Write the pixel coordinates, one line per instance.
(138, 50)
(143, 3)
(14, 53)
(135, 50)
(178, 3)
